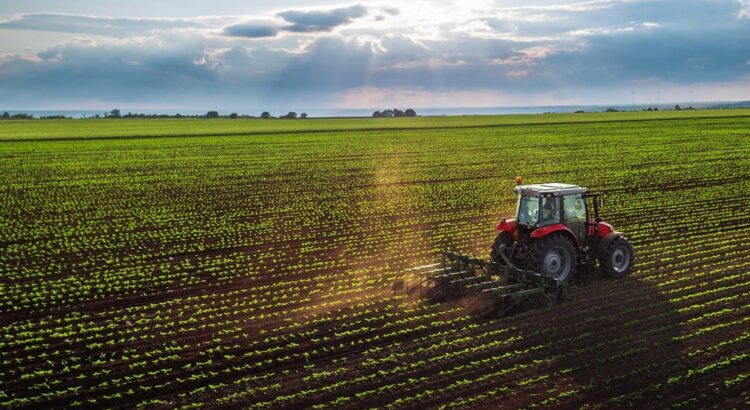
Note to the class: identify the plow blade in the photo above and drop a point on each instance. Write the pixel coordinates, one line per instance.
(487, 287)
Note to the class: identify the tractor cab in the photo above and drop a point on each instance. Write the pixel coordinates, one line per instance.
(545, 205)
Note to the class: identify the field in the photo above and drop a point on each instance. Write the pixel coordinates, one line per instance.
(205, 263)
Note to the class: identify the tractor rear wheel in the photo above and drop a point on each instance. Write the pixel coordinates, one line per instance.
(617, 259)
(504, 238)
(553, 256)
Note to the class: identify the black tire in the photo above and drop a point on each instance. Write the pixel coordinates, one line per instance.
(617, 259)
(503, 238)
(553, 256)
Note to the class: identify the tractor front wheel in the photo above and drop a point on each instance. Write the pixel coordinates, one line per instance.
(553, 256)
(617, 259)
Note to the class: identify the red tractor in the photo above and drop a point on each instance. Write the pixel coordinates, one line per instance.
(557, 229)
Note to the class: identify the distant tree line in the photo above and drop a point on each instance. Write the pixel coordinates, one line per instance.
(23, 116)
(288, 116)
(394, 113)
(389, 113)
(676, 108)
(210, 114)
(117, 114)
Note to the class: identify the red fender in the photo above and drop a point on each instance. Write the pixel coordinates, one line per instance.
(546, 230)
(506, 225)
(605, 229)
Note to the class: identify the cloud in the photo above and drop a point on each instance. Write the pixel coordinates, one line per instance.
(106, 26)
(744, 12)
(253, 29)
(392, 11)
(135, 71)
(326, 20)
(300, 21)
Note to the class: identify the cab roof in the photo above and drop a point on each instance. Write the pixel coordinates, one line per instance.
(550, 189)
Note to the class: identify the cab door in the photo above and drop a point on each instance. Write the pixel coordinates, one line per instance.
(574, 215)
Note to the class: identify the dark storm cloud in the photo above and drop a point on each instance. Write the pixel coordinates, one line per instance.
(113, 27)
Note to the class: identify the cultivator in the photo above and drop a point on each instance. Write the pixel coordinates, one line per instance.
(489, 287)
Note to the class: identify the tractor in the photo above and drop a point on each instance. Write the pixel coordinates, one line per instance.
(556, 232)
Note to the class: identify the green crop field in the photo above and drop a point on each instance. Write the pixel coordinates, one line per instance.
(251, 263)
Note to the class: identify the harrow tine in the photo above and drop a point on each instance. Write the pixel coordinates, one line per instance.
(483, 285)
(454, 275)
(432, 265)
(435, 271)
(470, 280)
(503, 290)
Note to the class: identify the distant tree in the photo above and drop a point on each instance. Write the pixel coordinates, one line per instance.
(410, 113)
(265, 115)
(303, 115)
(677, 107)
(610, 109)
(233, 115)
(291, 115)
(387, 113)
(397, 113)
(114, 113)
(579, 112)
(212, 114)
(376, 114)
(6, 115)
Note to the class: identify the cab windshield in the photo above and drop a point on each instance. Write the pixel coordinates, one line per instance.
(528, 210)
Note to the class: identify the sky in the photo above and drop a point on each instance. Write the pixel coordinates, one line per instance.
(254, 55)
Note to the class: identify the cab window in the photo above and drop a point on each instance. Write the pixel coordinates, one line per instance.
(575, 209)
(550, 210)
(575, 213)
(528, 210)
